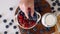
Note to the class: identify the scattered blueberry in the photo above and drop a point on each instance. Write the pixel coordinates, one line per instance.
(54, 4)
(57, 1)
(4, 20)
(5, 32)
(58, 4)
(58, 9)
(52, 8)
(52, 0)
(12, 20)
(11, 8)
(0, 16)
(7, 26)
(10, 23)
(53, 11)
(14, 27)
(17, 32)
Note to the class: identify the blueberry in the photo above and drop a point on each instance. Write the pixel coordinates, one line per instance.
(58, 9)
(29, 14)
(7, 26)
(0, 16)
(12, 20)
(10, 23)
(11, 8)
(14, 27)
(5, 32)
(17, 32)
(53, 11)
(57, 1)
(54, 4)
(52, 8)
(35, 17)
(21, 13)
(58, 4)
(52, 0)
(4, 20)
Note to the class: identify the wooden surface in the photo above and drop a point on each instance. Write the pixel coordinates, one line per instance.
(57, 25)
(45, 8)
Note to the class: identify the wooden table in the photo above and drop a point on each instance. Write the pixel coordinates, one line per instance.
(42, 7)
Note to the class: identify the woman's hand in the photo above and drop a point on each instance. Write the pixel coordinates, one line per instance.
(25, 4)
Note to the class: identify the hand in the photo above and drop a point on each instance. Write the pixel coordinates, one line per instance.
(25, 4)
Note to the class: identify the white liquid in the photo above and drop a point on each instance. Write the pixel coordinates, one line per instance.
(50, 20)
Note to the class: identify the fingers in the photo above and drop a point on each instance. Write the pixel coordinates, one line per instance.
(24, 8)
(26, 14)
(32, 10)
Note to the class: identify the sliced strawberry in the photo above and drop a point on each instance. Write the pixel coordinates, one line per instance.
(20, 16)
(26, 26)
(21, 21)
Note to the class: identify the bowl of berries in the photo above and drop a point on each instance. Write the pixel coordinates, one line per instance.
(28, 23)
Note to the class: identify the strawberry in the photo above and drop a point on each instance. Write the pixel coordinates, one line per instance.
(32, 23)
(20, 16)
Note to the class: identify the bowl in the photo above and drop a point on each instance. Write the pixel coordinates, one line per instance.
(27, 24)
(49, 20)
